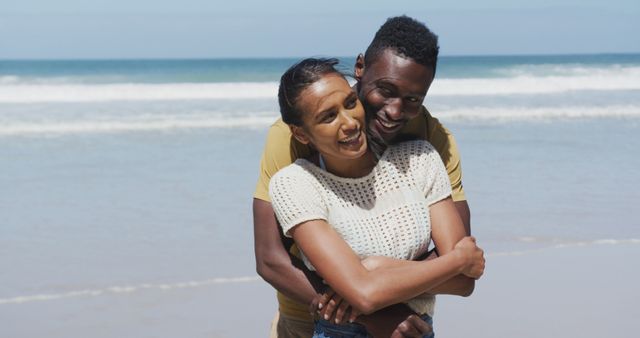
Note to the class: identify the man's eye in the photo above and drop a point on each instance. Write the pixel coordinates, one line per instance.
(350, 104)
(385, 91)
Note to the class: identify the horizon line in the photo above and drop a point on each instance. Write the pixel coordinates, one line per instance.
(159, 58)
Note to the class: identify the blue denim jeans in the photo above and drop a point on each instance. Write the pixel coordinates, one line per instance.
(325, 329)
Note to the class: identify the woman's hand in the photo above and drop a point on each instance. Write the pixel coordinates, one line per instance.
(472, 256)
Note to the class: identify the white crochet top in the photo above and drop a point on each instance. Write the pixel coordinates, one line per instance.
(385, 213)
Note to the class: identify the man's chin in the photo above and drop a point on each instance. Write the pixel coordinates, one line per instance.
(384, 134)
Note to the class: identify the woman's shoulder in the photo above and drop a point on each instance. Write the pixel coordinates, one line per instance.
(293, 180)
(297, 169)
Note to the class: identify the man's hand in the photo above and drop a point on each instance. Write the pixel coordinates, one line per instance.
(395, 321)
(332, 307)
(413, 326)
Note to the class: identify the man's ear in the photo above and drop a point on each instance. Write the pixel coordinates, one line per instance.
(358, 69)
(299, 134)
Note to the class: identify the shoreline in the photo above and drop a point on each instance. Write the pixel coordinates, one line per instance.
(559, 291)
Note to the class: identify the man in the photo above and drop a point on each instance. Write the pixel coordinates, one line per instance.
(393, 78)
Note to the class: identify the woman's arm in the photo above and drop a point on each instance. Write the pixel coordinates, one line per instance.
(446, 230)
(458, 285)
(369, 291)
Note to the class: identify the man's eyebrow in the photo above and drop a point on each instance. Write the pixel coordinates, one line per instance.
(385, 80)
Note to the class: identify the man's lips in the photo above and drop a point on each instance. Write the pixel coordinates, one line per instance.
(387, 127)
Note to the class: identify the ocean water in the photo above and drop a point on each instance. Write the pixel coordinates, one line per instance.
(127, 184)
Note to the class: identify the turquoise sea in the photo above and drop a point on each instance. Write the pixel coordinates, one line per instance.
(126, 185)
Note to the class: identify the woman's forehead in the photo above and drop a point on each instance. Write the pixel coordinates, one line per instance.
(325, 91)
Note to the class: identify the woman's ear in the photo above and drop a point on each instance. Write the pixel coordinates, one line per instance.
(299, 134)
(358, 69)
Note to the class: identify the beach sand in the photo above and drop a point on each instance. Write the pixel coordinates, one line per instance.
(573, 291)
(579, 291)
(582, 291)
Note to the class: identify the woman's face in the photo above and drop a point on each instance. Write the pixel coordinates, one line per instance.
(333, 119)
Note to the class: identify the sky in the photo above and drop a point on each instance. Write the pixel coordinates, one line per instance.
(108, 29)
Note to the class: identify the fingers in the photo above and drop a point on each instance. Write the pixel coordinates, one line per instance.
(326, 297)
(331, 306)
(342, 310)
(478, 270)
(314, 305)
(413, 326)
(354, 314)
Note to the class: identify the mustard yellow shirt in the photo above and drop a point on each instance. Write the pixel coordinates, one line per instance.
(282, 149)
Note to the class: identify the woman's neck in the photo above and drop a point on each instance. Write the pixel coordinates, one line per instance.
(353, 168)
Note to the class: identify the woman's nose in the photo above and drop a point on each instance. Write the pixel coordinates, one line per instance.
(349, 122)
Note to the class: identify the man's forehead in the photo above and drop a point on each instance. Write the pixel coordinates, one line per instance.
(391, 58)
(395, 68)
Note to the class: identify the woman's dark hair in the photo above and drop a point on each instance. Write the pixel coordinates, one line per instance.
(296, 79)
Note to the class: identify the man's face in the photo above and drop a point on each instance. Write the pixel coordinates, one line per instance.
(392, 90)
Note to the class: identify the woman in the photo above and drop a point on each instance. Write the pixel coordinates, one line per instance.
(344, 204)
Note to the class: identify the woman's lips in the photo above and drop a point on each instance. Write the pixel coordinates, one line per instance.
(352, 140)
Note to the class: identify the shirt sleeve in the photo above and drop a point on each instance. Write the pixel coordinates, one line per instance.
(277, 154)
(437, 186)
(444, 142)
(294, 199)
(454, 170)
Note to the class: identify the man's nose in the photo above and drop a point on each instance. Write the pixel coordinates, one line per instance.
(393, 109)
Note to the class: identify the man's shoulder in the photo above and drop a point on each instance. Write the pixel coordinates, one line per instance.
(279, 131)
(424, 126)
(436, 132)
(280, 140)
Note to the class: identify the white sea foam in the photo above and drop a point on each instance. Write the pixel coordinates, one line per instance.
(114, 126)
(116, 123)
(31, 93)
(125, 289)
(13, 90)
(629, 79)
(564, 244)
(537, 113)
(554, 69)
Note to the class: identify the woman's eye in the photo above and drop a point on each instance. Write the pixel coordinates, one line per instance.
(350, 104)
(328, 117)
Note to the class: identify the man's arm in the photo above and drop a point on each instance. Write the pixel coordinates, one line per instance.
(274, 264)
(465, 214)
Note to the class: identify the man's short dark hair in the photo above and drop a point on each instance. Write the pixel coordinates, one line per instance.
(408, 38)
